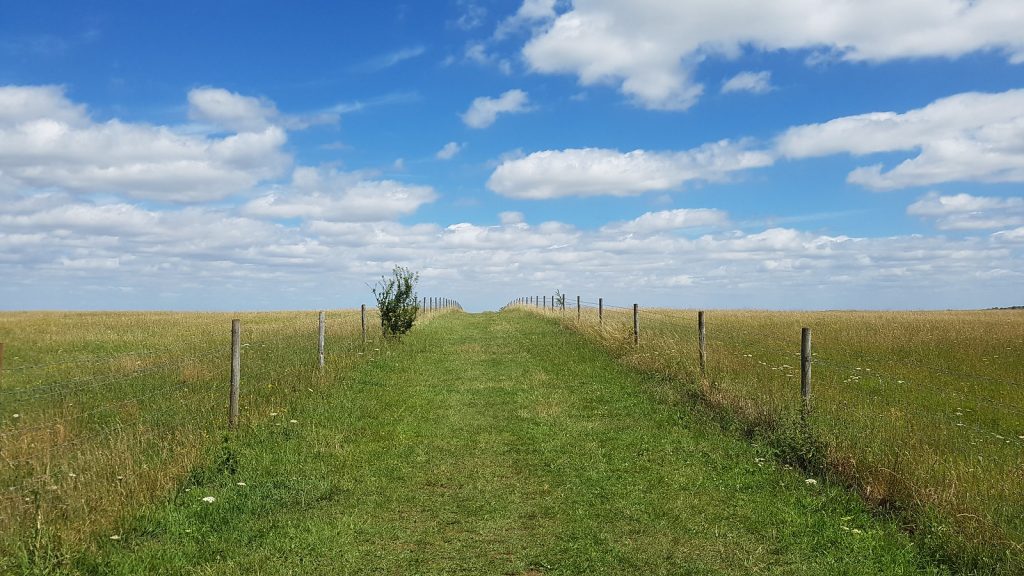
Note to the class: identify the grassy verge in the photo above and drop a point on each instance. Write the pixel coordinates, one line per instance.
(922, 413)
(104, 412)
(499, 444)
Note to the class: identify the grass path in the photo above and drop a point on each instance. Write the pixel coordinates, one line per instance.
(500, 444)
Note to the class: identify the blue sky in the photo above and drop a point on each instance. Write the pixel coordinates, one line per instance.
(735, 154)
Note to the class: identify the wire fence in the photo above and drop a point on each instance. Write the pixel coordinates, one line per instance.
(90, 427)
(922, 412)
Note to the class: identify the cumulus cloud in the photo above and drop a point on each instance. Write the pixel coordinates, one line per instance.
(509, 218)
(52, 246)
(755, 82)
(651, 49)
(47, 141)
(448, 151)
(965, 137)
(231, 111)
(599, 171)
(484, 111)
(967, 212)
(331, 195)
(668, 220)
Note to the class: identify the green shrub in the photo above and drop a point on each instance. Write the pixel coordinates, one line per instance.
(397, 301)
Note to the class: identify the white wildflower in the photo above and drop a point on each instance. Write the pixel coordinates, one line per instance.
(115, 537)
(241, 483)
(294, 421)
(811, 482)
(209, 499)
(16, 416)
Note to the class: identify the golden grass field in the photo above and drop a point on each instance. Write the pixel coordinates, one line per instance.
(920, 412)
(103, 412)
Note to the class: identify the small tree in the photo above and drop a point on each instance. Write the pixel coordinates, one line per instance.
(396, 301)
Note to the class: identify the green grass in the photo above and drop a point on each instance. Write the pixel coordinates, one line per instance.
(105, 412)
(920, 412)
(499, 444)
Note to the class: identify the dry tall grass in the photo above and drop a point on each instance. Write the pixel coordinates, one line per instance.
(921, 412)
(103, 412)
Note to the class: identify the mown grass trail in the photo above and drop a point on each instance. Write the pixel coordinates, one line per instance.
(500, 444)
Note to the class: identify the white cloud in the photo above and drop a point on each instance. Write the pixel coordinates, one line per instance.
(19, 104)
(509, 218)
(477, 53)
(650, 49)
(598, 171)
(472, 15)
(448, 151)
(330, 195)
(394, 58)
(231, 111)
(755, 82)
(46, 141)
(530, 12)
(55, 246)
(668, 220)
(967, 212)
(484, 111)
(966, 137)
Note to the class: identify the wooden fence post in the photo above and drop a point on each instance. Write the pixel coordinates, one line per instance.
(702, 342)
(600, 311)
(320, 338)
(636, 324)
(577, 308)
(562, 302)
(236, 369)
(545, 306)
(362, 319)
(805, 369)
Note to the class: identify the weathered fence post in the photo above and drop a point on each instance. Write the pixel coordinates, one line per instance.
(600, 312)
(805, 369)
(362, 319)
(562, 302)
(577, 308)
(702, 343)
(545, 305)
(636, 324)
(320, 338)
(236, 369)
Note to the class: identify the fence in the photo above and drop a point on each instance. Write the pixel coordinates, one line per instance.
(101, 412)
(923, 412)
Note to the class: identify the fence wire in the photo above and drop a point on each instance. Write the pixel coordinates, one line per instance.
(890, 406)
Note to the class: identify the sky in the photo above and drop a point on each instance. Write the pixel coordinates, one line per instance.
(249, 155)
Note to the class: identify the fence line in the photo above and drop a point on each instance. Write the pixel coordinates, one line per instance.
(804, 360)
(52, 424)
